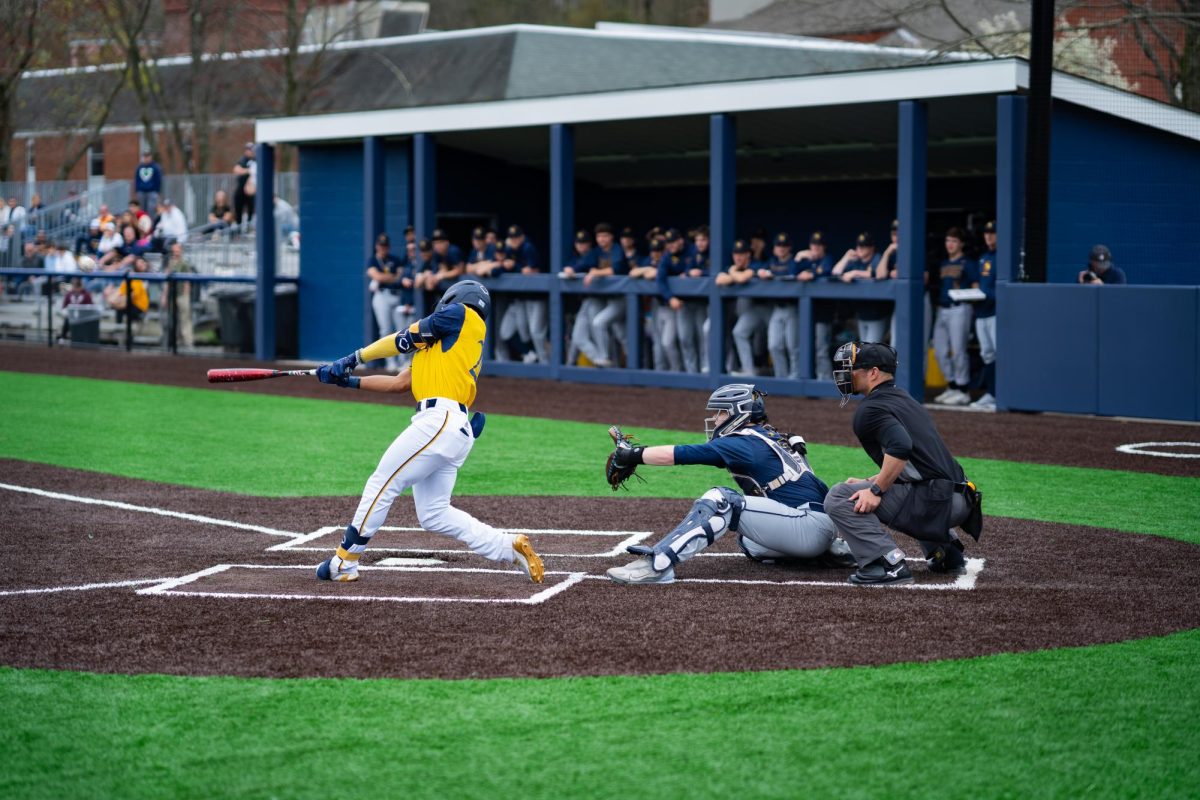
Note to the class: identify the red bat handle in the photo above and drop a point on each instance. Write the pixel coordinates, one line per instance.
(249, 374)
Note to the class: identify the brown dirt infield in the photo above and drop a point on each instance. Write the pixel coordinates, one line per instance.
(1043, 585)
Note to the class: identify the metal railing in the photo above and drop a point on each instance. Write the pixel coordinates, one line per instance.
(161, 326)
(48, 191)
(65, 221)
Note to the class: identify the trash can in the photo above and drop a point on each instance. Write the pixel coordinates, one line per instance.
(235, 309)
(83, 320)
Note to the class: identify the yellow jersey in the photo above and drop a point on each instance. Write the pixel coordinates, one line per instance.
(450, 366)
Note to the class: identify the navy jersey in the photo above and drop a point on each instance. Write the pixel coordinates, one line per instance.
(1113, 275)
(407, 296)
(699, 260)
(581, 262)
(488, 253)
(983, 272)
(819, 268)
(452, 258)
(751, 457)
(524, 256)
(782, 267)
(391, 265)
(855, 264)
(672, 265)
(955, 273)
(612, 258)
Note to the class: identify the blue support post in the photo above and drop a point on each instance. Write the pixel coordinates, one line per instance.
(722, 207)
(1010, 185)
(373, 218)
(562, 222)
(424, 199)
(910, 208)
(265, 245)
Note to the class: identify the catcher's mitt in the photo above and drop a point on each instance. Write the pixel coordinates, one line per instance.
(623, 461)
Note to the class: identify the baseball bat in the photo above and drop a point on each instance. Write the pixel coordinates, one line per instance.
(239, 375)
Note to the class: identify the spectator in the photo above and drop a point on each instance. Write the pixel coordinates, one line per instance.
(171, 227)
(123, 255)
(481, 260)
(751, 322)
(286, 218)
(117, 299)
(75, 295)
(862, 263)
(10, 243)
(783, 324)
(60, 259)
(178, 264)
(147, 181)
(952, 327)
(71, 209)
(31, 258)
(109, 239)
(104, 215)
(12, 214)
(384, 270)
(1100, 269)
(243, 194)
(678, 322)
(220, 216)
(984, 275)
(141, 220)
(34, 214)
(816, 264)
(609, 322)
(89, 242)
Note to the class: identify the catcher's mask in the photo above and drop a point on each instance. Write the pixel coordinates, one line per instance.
(744, 404)
(472, 294)
(860, 355)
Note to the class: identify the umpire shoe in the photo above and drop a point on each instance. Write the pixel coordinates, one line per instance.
(337, 569)
(881, 573)
(641, 571)
(529, 561)
(948, 559)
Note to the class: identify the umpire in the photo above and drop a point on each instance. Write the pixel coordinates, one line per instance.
(919, 490)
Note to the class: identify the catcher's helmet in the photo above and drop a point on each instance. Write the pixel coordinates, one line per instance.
(744, 404)
(472, 294)
(860, 355)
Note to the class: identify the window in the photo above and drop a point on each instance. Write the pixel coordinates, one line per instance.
(95, 159)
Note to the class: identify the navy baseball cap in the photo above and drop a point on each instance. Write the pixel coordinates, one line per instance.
(741, 246)
(874, 354)
(627, 233)
(990, 226)
(425, 246)
(479, 233)
(864, 240)
(1101, 254)
(439, 235)
(657, 246)
(895, 224)
(603, 227)
(583, 237)
(672, 235)
(817, 238)
(382, 239)
(783, 240)
(515, 232)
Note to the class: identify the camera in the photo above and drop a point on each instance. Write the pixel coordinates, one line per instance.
(1089, 276)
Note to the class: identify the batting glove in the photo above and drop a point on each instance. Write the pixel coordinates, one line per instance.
(338, 373)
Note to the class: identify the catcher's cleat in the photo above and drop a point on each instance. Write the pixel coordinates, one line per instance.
(948, 559)
(337, 569)
(641, 571)
(529, 561)
(880, 573)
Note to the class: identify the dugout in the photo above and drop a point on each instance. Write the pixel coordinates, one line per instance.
(639, 126)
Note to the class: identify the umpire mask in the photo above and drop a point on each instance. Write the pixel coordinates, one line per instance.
(860, 355)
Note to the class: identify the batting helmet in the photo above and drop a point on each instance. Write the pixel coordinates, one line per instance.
(741, 401)
(472, 294)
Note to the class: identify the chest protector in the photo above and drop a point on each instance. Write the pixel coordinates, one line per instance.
(792, 465)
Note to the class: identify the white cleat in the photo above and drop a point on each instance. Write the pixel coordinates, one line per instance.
(641, 571)
(338, 569)
(958, 398)
(985, 403)
(529, 561)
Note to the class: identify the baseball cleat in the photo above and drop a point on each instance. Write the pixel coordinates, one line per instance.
(529, 561)
(641, 571)
(948, 559)
(880, 573)
(337, 569)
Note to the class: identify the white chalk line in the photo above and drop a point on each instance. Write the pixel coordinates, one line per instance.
(1137, 449)
(162, 512)
(170, 586)
(559, 531)
(631, 538)
(83, 588)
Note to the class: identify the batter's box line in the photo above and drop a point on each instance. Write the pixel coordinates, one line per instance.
(170, 587)
(631, 538)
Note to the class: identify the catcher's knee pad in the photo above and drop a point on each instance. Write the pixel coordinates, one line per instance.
(717, 511)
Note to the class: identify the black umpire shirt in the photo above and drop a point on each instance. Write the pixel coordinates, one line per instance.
(888, 421)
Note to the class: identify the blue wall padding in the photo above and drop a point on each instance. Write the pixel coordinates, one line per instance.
(1147, 351)
(332, 270)
(1130, 187)
(397, 192)
(1046, 347)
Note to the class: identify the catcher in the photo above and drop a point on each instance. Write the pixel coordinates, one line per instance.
(779, 514)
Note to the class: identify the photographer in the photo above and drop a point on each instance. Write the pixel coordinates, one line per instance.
(1100, 269)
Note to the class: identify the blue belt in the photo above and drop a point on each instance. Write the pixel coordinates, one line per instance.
(434, 402)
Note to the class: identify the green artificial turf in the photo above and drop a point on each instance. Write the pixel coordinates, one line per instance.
(1108, 721)
(278, 446)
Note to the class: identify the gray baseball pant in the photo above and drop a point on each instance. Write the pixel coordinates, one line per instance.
(783, 340)
(865, 533)
(751, 320)
(951, 331)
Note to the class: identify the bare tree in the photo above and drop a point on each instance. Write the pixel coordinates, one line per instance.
(126, 24)
(20, 32)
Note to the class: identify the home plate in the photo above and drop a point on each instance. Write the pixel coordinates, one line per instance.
(409, 562)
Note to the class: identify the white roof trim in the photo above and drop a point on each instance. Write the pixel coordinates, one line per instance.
(1118, 103)
(945, 80)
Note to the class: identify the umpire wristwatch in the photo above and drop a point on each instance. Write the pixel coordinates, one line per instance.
(875, 490)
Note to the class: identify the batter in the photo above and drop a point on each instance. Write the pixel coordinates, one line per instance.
(447, 348)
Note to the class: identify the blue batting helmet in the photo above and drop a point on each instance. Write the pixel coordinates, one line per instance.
(472, 294)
